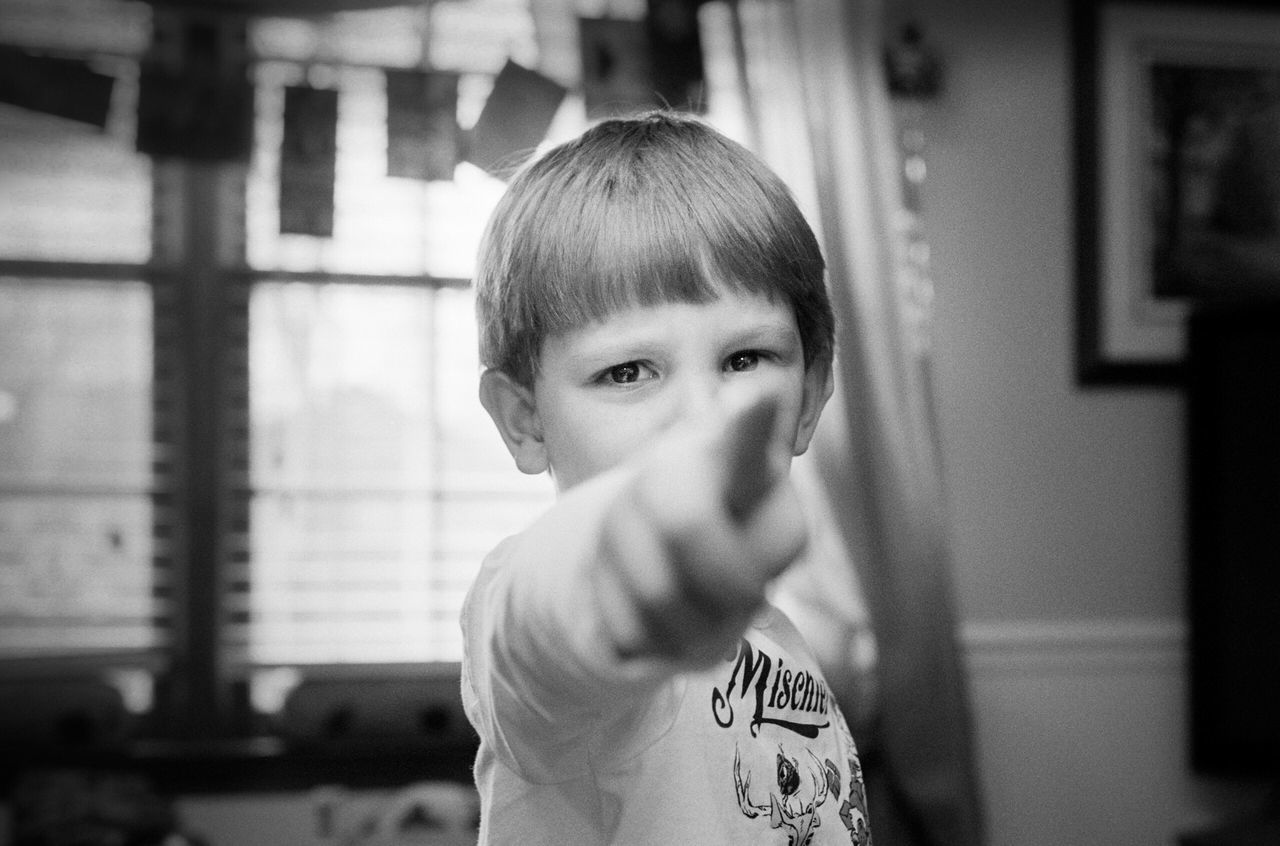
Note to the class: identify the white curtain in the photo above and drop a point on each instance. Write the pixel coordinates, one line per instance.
(819, 111)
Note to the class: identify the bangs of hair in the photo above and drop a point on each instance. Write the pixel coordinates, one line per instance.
(640, 213)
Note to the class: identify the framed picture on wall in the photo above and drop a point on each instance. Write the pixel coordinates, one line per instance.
(1177, 138)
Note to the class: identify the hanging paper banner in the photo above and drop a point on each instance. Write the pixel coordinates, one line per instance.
(422, 124)
(66, 88)
(190, 117)
(514, 119)
(202, 107)
(617, 70)
(308, 161)
(675, 50)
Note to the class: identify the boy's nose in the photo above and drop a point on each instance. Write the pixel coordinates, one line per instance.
(699, 398)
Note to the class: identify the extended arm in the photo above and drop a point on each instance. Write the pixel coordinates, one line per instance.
(653, 567)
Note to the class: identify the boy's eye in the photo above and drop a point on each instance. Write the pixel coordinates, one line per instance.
(743, 361)
(625, 374)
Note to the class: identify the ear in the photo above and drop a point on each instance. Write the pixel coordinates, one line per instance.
(818, 385)
(514, 412)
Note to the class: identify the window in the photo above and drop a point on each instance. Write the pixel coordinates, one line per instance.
(376, 482)
(75, 567)
(244, 480)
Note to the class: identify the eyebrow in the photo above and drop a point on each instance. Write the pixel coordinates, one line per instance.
(775, 334)
(768, 333)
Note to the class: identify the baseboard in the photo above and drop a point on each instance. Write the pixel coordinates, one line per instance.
(1116, 645)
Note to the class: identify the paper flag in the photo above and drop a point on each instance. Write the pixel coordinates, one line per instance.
(514, 119)
(422, 124)
(63, 87)
(308, 161)
(617, 71)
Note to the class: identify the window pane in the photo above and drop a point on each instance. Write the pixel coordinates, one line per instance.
(75, 464)
(374, 472)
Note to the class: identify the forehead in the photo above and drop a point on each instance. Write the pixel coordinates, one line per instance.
(733, 316)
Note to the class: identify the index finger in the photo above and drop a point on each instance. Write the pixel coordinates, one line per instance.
(748, 443)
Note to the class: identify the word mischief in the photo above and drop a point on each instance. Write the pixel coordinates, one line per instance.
(780, 696)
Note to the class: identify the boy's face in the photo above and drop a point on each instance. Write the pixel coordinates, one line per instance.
(605, 391)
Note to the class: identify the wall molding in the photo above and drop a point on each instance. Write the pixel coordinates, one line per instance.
(1075, 646)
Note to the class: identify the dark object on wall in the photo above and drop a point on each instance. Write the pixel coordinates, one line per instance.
(308, 161)
(66, 88)
(422, 124)
(1218, 187)
(1233, 598)
(912, 68)
(514, 119)
(1177, 187)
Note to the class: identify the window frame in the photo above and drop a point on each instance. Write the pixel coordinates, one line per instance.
(202, 732)
(367, 725)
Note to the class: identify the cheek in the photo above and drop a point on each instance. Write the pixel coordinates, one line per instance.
(587, 445)
(792, 396)
(601, 445)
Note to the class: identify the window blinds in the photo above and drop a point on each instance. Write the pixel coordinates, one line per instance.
(377, 483)
(75, 468)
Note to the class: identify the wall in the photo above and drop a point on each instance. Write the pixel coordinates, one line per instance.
(1066, 504)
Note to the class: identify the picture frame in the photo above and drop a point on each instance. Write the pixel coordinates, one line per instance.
(1177, 157)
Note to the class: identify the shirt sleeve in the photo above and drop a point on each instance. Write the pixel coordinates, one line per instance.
(540, 679)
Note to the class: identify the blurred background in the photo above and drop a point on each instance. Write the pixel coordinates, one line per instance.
(244, 481)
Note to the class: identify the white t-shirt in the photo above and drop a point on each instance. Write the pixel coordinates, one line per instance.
(578, 747)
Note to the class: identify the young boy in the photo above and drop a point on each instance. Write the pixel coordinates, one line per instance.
(657, 335)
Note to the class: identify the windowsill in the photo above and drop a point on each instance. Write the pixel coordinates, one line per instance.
(352, 727)
(266, 764)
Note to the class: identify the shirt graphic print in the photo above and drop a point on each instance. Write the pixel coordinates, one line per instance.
(794, 768)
